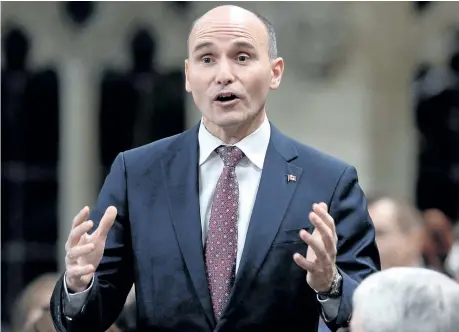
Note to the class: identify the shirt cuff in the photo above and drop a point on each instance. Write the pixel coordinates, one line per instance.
(330, 308)
(75, 302)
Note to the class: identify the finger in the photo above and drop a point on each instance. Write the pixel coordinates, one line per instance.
(80, 217)
(302, 262)
(77, 233)
(326, 234)
(316, 244)
(79, 251)
(107, 221)
(324, 206)
(76, 272)
(322, 211)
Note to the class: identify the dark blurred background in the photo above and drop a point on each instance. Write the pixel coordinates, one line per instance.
(83, 81)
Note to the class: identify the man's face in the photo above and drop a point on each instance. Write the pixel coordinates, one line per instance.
(40, 299)
(396, 247)
(228, 53)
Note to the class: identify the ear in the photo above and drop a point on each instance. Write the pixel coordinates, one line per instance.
(277, 69)
(187, 82)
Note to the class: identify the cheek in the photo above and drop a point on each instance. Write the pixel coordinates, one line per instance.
(197, 81)
(198, 90)
(258, 88)
(387, 246)
(198, 98)
(381, 242)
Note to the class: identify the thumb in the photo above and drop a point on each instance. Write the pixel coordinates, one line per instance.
(107, 221)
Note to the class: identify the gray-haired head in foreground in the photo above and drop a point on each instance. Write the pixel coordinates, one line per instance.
(406, 299)
(272, 40)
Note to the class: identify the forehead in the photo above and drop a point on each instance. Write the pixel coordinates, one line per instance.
(383, 212)
(234, 27)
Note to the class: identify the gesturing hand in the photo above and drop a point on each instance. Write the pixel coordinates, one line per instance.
(84, 251)
(321, 254)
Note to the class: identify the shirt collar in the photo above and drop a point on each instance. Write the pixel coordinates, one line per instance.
(254, 146)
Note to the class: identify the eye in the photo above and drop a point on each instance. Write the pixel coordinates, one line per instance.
(242, 58)
(206, 59)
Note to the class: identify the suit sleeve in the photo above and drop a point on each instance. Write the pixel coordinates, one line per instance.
(114, 275)
(357, 254)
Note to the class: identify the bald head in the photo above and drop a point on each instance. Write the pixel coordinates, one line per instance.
(404, 215)
(399, 231)
(230, 50)
(229, 14)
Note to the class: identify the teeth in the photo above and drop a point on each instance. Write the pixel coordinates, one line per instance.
(223, 95)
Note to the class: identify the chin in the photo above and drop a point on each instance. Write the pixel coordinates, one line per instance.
(228, 118)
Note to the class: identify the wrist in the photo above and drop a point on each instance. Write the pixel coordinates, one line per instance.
(73, 288)
(334, 291)
(328, 286)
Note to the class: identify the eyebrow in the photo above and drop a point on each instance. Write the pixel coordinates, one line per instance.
(244, 44)
(239, 44)
(202, 45)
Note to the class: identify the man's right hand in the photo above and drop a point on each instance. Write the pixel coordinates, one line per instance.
(84, 251)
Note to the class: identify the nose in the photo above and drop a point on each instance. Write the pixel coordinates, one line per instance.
(224, 74)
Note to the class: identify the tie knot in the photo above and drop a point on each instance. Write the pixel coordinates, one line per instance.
(231, 155)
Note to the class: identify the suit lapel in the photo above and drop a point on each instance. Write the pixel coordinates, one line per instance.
(180, 169)
(273, 198)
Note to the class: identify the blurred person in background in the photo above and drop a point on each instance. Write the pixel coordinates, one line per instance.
(452, 260)
(400, 232)
(32, 305)
(406, 237)
(31, 312)
(439, 239)
(168, 216)
(406, 299)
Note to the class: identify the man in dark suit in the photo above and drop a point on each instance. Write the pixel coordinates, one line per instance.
(212, 224)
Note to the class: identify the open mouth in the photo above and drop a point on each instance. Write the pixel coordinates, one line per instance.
(226, 97)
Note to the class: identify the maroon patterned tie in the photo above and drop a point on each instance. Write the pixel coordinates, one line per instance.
(221, 243)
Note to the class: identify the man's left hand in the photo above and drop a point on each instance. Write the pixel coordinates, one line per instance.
(321, 254)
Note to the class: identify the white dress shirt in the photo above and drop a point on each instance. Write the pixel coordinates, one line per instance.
(248, 172)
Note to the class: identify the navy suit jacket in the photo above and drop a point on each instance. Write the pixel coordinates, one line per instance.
(156, 242)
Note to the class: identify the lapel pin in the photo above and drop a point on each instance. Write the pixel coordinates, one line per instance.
(291, 178)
